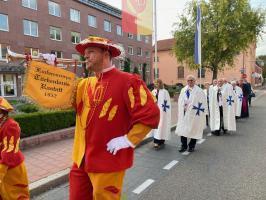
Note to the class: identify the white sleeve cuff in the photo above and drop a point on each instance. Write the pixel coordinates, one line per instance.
(130, 143)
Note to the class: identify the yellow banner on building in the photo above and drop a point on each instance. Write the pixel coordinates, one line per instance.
(49, 86)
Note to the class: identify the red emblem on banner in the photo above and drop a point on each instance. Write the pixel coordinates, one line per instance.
(139, 5)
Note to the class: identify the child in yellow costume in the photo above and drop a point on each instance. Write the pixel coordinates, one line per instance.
(13, 174)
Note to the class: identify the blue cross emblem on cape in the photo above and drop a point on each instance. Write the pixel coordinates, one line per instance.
(240, 97)
(165, 106)
(198, 109)
(230, 100)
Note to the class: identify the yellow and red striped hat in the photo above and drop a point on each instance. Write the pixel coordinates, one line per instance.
(4, 105)
(103, 43)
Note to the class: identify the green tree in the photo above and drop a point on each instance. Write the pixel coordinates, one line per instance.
(127, 65)
(136, 70)
(84, 66)
(228, 28)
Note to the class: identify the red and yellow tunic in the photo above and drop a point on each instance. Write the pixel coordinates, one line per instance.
(13, 175)
(113, 105)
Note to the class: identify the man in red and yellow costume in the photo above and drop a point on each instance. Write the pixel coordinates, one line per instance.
(13, 174)
(115, 111)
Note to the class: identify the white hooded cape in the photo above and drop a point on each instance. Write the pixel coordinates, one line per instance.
(239, 96)
(228, 102)
(191, 123)
(163, 132)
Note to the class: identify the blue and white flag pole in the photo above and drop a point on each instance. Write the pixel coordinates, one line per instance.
(197, 50)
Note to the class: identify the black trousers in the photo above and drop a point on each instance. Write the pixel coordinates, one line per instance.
(191, 144)
(159, 142)
(221, 119)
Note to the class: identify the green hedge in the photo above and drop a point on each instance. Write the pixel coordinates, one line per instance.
(28, 108)
(42, 122)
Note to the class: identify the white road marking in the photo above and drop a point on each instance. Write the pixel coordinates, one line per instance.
(170, 165)
(143, 186)
(200, 141)
(185, 153)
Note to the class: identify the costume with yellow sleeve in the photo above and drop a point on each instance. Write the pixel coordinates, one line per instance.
(114, 105)
(13, 174)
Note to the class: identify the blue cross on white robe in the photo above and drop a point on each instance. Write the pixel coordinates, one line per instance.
(165, 106)
(240, 97)
(199, 108)
(230, 100)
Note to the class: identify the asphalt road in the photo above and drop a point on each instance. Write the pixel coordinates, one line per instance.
(229, 167)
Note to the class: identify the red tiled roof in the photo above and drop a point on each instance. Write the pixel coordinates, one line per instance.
(164, 45)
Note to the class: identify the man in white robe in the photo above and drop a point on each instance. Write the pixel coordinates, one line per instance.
(239, 96)
(192, 110)
(214, 83)
(222, 108)
(163, 131)
(207, 92)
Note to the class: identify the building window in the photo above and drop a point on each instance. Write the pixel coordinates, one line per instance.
(139, 51)
(140, 67)
(121, 64)
(202, 73)
(180, 72)
(75, 37)
(59, 54)
(157, 59)
(54, 9)
(139, 37)
(107, 26)
(156, 75)
(3, 22)
(32, 4)
(75, 15)
(147, 67)
(130, 50)
(31, 51)
(119, 30)
(55, 33)
(30, 28)
(147, 39)
(3, 52)
(147, 54)
(130, 36)
(92, 21)
(8, 85)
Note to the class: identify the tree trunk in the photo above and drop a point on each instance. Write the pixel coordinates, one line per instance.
(214, 72)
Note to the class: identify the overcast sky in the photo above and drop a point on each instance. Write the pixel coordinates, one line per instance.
(168, 11)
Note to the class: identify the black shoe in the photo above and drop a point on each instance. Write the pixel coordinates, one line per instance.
(217, 133)
(191, 149)
(225, 131)
(159, 146)
(182, 149)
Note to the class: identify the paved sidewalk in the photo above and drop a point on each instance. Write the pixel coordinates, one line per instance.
(48, 159)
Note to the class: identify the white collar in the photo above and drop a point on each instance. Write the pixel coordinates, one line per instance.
(108, 69)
